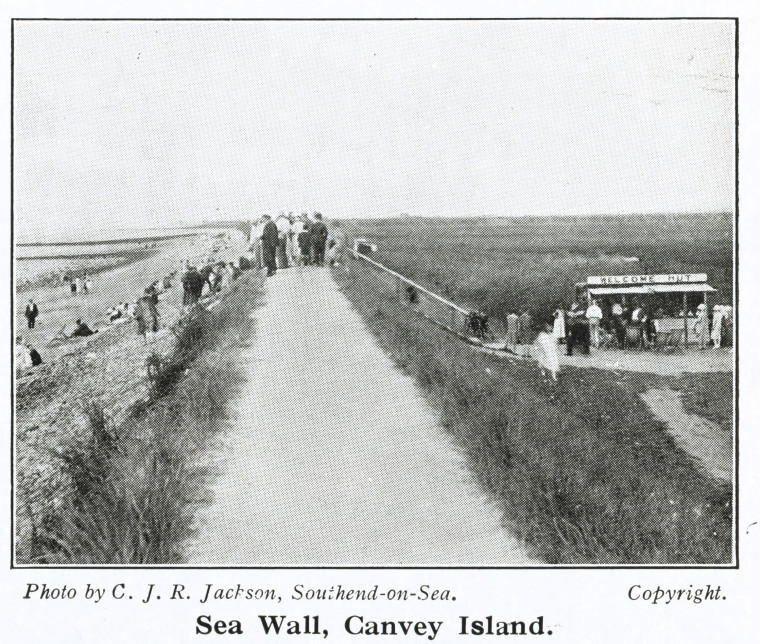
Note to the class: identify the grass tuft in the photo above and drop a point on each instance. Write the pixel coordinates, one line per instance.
(129, 492)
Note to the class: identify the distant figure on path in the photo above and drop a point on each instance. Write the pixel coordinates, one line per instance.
(87, 283)
(270, 237)
(82, 330)
(546, 350)
(76, 286)
(318, 240)
(31, 313)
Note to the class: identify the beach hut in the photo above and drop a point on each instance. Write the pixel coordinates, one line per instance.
(685, 289)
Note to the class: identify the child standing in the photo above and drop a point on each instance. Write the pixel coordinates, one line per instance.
(546, 352)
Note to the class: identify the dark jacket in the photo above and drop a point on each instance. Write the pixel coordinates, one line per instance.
(82, 331)
(270, 235)
(193, 282)
(31, 311)
(318, 232)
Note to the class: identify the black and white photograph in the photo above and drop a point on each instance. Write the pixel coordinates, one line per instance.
(374, 293)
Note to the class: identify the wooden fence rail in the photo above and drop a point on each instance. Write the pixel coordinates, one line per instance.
(456, 316)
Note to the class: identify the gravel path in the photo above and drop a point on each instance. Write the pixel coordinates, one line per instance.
(710, 445)
(333, 457)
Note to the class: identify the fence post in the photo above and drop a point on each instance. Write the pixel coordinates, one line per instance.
(398, 289)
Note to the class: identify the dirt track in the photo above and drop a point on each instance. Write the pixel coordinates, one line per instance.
(332, 456)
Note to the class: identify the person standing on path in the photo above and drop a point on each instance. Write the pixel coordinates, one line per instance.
(296, 226)
(717, 325)
(270, 237)
(558, 328)
(578, 332)
(76, 286)
(31, 313)
(283, 231)
(546, 352)
(702, 326)
(594, 315)
(318, 238)
(304, 240)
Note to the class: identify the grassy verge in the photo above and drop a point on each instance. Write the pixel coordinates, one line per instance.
(581, 469)
(127, 502)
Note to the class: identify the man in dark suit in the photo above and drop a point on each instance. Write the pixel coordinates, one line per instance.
(31, 313)
(270, 237)
(318, 239)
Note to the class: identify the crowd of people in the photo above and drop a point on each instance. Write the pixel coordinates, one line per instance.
(295, 241)
(594, 324)
(79, 285)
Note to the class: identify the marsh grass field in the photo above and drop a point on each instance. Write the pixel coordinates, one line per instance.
(497, 264)
(583, 471)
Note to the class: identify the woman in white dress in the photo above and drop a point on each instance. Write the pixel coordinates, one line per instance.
(558, 330)
(546, 351)
(702, 326)
(717, 325)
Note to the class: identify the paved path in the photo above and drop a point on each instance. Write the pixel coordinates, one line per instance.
(663, 364)
(333, 457)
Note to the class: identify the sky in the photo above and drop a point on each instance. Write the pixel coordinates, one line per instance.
(122, 124)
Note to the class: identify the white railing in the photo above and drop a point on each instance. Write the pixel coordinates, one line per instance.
(456, 316)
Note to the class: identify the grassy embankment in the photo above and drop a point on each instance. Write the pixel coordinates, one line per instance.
(130, 485)
(582, 470)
